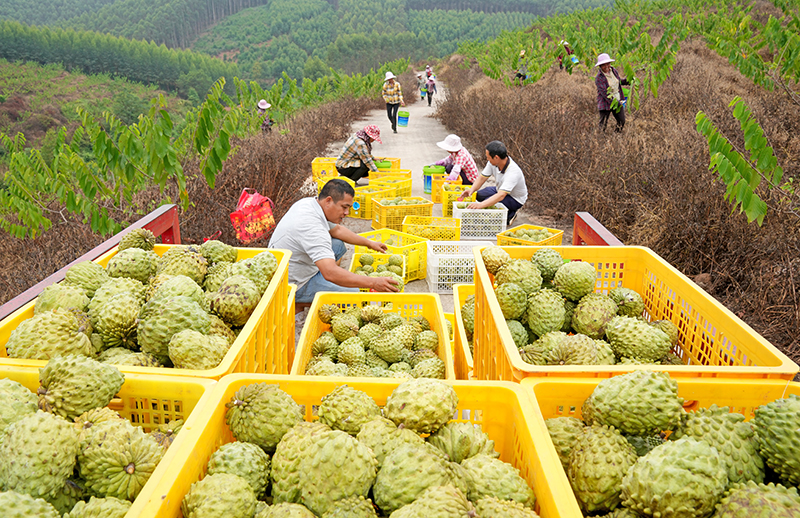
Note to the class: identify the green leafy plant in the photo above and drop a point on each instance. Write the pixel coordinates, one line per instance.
(744, 175)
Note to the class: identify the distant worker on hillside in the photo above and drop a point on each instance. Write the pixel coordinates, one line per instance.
(430, 83)
(509, 188)
(609, 89)
(568, 52)
(356, 161)
(421, 82)
(393, 95)
(459, 162)
(522, 68)
(266, 124)
(311, 230)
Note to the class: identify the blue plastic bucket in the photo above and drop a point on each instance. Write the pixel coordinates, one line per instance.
(402, 119)
(428, 172)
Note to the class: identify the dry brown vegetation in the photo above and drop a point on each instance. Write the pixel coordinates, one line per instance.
(650, 185)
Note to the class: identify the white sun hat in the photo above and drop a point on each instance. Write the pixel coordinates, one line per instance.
(451, 143)
(603, 58)
(263, 104)
(389, 75)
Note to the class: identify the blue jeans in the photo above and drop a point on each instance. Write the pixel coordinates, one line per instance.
(510, 203)
(306, 292)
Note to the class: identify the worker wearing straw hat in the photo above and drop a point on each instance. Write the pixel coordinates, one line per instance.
(522, 68)
(356, 160)
(567, 51)
(393, 95)
(609, 89)
(459, 162)
(266, 125)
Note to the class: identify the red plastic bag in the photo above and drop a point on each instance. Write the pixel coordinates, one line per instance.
(253, 216)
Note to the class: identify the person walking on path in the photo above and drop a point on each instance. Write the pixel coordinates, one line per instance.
(459, 162)
(312, 231)
(421, 85)
(356, 161)
(509, 188)
(430, 83)
(609, 89)
(393, 95)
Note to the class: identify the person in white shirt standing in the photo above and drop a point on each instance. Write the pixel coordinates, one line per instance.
(509, 188)
(311, 230)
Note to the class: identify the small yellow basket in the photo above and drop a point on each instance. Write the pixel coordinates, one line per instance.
(406, 305)
(324, 167)
(378, 260)
(391, 216)
(462, 357)
(261, 346)
(503, 410)
(712, 341)
(505, 238)
(433, 228)
(450, 195)
(412, 247)
(323, 180)
(395, 185)
(390, 173)
(438, 182)
(364, 196)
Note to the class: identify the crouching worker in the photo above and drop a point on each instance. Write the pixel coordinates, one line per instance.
(509, 182)
(311, 230)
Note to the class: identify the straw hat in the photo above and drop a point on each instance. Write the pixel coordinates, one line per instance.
(373, 132)
(603, 58)
(263, 104)
(389, 75)
(451, 143)
(522, 52)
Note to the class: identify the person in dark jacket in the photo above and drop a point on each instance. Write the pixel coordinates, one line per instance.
(609, 89)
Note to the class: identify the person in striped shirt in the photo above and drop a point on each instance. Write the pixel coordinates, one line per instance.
(356, 161)
(393, 95)
(459, 162)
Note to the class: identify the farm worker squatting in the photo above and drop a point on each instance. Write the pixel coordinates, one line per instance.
(393, 95)
(356, 161)
(459, 162)
(509, 188)
(311, 230)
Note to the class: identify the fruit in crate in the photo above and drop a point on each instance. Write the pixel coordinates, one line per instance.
(492, 507)
(20, 505)
(489, 476)
(777, 426)
(72, 385)
(462, 440)
(548, 260)
(15, 403)
(575, 279)
(49, 334)
(61, 296)
(752, 499)
(347, 409)
(262, 414)
(87, 275)
(521, 272)
(494, 258)
(437, 501)
(222, 494)
(352, 507)
(366, 259)
(133, 263)
(531, 234)
(629, 302)
(218, 252)
(592, 314)
(138, 238)
(634, 338)
(564, 432)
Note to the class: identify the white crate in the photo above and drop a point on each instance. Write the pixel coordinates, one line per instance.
(481, 223)
(450, 262)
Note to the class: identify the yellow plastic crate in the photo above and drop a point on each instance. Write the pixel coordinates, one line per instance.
(565, 397)
(396, 185)
(433, 228)
(436, 187)
(146, 401)
(324, 166)
(503, 410)
(713, 342)
(391, 216)
(323, 180)
(505, 239)
(394, 163)
(390, 173)
(406, 305)
(260, 347)
(290, 322)
(364, 196)
(413, 247)
(450, 195)
(462, 357)
(379, 259)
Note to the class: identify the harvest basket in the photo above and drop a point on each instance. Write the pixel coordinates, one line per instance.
(388, 173)
(712, 343)
(146, 401)
(450, 196)
(261, 346)
(364, 196)
(439, 229)
(394, 185)
(391, 216)
(412, 247)
(379, 259)
(565, 397)
(503, 410)
(462, 356)
(324, 166)
(393, 163)
(406, 305)
(449, 263)
(505, 239)
(436, 187)
(323, 180)
(481, 223)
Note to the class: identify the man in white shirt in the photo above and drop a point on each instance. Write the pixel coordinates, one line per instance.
(509, 188)
(311, 230)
